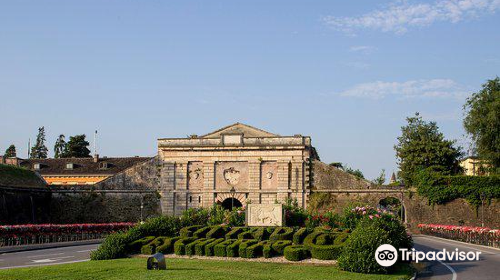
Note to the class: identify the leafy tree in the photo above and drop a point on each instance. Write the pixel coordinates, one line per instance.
(11, 151)
(356, 172)
(420, 146)
(60, 146)
(337, 164)
(39, 150)
(482, 122)
(380, 180)
(77, 147)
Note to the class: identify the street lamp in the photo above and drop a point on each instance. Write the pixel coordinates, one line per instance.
(142, 207)
(482, 196)
(232, 191)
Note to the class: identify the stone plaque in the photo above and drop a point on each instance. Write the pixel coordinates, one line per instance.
(263, 215)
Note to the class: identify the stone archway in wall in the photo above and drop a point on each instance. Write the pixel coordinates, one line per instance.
(393, 205)
(227, 200)
(230, 203)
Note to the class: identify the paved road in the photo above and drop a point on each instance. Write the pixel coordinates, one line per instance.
(47, 256)
(488, 267)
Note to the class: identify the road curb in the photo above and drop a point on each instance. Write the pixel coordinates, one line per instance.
(31, 247)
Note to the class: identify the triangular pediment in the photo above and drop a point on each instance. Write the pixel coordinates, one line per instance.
(239, 128)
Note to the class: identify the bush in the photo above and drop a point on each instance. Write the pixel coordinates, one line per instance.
(209, 248)
(325, 239)
(262, 233)
(282, 233)
(234, 232)
(180, 245)
(267, 251)
(278, 247)
(220, 250)
(396, 231)
(326, 252)
(341, 238)
(190, 248)
(159, 226)
(311, 238)
(296, 253)
(243, 247)
(299, 235)
(232, 250)
(186, 232)
(359, 250)
(256, 250)
(202, 232)
(199, 248)
(217, 232)
(150, 248)
(248, 234)
(135, 246)
(113, 247)
(168, 246)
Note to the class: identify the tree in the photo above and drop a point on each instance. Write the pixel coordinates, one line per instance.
(421, 146)
(77, 147)
(60, 147)
(482, 122)
(10, 152)
(356, 172)
(39, 150)
(380, 180)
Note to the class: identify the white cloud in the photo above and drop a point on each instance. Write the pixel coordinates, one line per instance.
(401, 15)
(362, 49)
(435, 88)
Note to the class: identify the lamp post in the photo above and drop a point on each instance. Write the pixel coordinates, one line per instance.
(232, 191)
(482, 196)
(142, 207)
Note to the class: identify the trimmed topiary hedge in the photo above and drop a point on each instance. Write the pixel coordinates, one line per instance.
(247, 234)
(296, 253)
(256, 250)
(262, 233)
(220, 250)
(311, 238)
(217, 232)
(232, 250)
(209, 248)
(282, 233)
(180, 245)
(326, 252)
(150, 248)
(234, 232)
(202, 232)
(186, 232)
(243, 246)
(299, 235)
(191, 249)
(199, 248)
(278, 247)
(168, 245)
(135, 246)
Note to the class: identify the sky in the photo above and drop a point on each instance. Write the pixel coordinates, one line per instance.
(346, 73)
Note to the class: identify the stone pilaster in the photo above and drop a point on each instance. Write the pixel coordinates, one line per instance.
(208, 183)
(254, 181)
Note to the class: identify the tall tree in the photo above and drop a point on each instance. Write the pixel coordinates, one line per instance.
(11, 151)
(60, 146)
(77, 147)
(380, 180)
(421, 145)
(39, 150)
(482, 122)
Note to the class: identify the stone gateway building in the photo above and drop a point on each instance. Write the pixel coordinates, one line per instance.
(233, 166)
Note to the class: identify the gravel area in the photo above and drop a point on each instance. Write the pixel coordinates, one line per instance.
(270, 260)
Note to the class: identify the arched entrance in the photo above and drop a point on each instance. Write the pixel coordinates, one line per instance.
(393, 205)
(230, 203)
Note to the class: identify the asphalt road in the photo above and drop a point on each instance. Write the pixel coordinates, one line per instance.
(488, 266)
(51, 256)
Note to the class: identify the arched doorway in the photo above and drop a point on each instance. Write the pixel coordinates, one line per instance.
(230, 202)
(394, 206)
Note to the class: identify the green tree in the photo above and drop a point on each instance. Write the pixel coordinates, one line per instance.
(482, 122)
(39, 150)
(60, 146)
(356, 172)
(420, 146)
(11, 151)
(77, 147)
(380, 180)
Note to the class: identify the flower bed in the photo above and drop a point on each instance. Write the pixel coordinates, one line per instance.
(45, 233)
(476, 235)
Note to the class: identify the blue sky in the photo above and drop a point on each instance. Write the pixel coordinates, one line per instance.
(347, 73)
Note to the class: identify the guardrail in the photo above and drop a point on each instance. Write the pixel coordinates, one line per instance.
(475, 235)
(13, 235)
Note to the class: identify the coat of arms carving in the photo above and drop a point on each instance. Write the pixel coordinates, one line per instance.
(231, 176)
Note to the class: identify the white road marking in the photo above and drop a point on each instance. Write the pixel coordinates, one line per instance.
(437, 239)
(45, 255)
(83, 251)
(32, 265)
(51, 260)
(454, 277)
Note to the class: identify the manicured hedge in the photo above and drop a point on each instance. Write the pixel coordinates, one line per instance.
(262, 233)
(299, 235)
(311, 238)
(232, 250)
(220, 250)
(243, 246)
(282, 233)
(199, 248)
(234, 232)
(247, 234)
(256, 250)
(180, 245)
(296, 253)
(189, 231)
(168, 246)
(278, 247)
(209, 248)
(325, 239)
(191, 249)
(135, 246)
(326, 252)
(217, 232)
(150, 248)
(202, 232)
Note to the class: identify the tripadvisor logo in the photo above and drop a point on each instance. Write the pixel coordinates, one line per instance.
(386, 255)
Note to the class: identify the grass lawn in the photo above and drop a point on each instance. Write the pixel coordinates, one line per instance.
(189, 269)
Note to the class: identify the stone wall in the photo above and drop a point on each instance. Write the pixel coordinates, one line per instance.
(18, 206)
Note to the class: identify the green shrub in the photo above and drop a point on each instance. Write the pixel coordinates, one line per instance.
(325, 239)
(209, 248)
(168, 246)
(186, 232)
(135, 246)
(267, 251)
(202, 232)
(262, 233)
(150, 248)
(199, 247)
(234, 232)
(326, 252)
(190, 248)
(243, 246)
(220, 250)
(359, 250)
(296, 253)
(113, 247)
(394, 228)
(341, 238)
(279, 246)
(247, 234)
(282, 233)
(217, 232)
(256, 250)
(232, 249)
(158, 226)
(299, 235)
(311, 238)
(180, 245)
